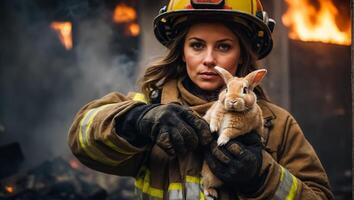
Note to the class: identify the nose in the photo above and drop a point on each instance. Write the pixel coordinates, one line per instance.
(233, 101)
(209, 59)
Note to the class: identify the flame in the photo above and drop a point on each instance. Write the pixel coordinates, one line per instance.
(64, 31)
(310, 24)
(134, 29)
(124, 14)
(9, 189)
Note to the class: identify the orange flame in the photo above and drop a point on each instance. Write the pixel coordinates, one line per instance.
(9, 189)
(310, 24)
(124, 14)
(134, 29)
(64, 31)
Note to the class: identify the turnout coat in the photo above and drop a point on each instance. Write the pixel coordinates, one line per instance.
(294, 170)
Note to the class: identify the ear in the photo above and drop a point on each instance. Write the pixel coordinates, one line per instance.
(254, 78)
(226, 75)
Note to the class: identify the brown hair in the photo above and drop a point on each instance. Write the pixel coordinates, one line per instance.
(172, 66)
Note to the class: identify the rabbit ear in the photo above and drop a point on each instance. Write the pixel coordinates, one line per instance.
(255, 77)
(226, 75)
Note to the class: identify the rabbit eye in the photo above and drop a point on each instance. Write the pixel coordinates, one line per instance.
(245, 90)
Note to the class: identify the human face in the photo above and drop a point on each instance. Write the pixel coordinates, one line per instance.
(207, 45)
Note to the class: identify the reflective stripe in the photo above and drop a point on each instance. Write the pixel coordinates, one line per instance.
(194, 190)
(175, 191)
(287, 186)
(116, 148)
(193, 187)
(84, 138)
(140, 97)
(143, 184)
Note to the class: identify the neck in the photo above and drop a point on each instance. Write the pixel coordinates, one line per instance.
(197, 91)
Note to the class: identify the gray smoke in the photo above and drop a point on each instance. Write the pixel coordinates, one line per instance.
(43, 85)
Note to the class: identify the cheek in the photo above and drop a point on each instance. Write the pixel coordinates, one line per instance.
(190, 65)
(231, 62)
(249, 100)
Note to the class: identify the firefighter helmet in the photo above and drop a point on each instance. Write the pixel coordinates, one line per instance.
(248, 15)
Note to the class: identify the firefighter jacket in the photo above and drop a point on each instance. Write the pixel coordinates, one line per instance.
(294, 170)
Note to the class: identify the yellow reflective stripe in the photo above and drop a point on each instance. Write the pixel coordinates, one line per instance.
(84, 138)
(193, 187)
(287, 186)
(143, 183)
(175, 191)
(175, 186)
(282, 172)
(116, 148)
(140, 97)
(201, 195)
(292, 192)
(193, 179)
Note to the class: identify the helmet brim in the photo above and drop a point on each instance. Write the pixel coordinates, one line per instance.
(258, 32)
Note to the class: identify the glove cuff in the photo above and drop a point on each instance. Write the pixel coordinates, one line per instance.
(127, 125)
(254, 184)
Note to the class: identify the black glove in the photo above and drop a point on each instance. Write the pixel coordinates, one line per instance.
(238, 163)
(172, 127)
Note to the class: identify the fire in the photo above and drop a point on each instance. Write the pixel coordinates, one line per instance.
(124, 14)
(64, 31)
(9, 189)
(310, 24)
(134, 29)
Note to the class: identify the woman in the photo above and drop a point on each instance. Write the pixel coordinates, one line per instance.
(159, 137)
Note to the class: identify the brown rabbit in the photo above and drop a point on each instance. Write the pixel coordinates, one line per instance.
(235, 113)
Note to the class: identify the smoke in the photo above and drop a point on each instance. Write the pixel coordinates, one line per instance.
(43, 85)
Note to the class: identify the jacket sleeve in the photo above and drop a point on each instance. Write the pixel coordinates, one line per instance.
(297, 172)
(94, 141)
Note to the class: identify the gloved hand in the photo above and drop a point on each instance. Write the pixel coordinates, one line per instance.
(238, 163)
(174, 128)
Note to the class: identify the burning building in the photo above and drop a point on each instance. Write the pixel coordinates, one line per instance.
(56, 55)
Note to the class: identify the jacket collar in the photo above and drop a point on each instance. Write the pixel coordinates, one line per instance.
(174, 91)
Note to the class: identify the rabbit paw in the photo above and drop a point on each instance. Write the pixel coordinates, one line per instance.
(214, 127)
(211, 192)
(223, 139)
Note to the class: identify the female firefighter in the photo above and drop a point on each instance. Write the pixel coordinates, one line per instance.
(158, 136)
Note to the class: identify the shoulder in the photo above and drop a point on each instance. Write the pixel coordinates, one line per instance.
(275, 113)
(281, 125)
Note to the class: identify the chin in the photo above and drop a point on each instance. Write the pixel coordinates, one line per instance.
(208, 87)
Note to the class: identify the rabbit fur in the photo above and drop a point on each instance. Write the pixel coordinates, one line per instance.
(235, 113)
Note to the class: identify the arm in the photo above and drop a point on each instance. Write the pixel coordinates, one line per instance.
(297, 173)
(94, 140)
(113, 134)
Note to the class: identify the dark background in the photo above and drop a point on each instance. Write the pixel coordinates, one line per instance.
(43, 85)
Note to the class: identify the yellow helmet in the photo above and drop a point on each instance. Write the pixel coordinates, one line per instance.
(248, 15)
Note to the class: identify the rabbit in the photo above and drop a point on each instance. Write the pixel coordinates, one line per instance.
(235, 113)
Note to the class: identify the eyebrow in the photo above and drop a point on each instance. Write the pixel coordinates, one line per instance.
(201, 40)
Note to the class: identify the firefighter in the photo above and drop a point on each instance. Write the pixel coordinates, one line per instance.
(158, 135)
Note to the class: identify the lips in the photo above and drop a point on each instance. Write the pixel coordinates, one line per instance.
(208, 75)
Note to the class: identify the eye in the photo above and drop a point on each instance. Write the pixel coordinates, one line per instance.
(245, 90)
(224, 47)
(197, 45)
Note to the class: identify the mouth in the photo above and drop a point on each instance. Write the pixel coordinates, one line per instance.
(208, 75)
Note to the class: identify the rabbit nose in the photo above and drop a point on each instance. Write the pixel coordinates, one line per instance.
(233, 101)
